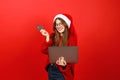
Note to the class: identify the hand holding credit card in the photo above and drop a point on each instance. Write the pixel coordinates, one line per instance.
(43, 32)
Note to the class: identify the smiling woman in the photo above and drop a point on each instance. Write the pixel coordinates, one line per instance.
(61, 28)
(61, 37)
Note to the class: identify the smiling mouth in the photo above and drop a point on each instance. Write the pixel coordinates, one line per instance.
(60, 28)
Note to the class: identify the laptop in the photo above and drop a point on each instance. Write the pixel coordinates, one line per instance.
(70, 53)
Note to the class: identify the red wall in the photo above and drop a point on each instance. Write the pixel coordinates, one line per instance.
(97, 24)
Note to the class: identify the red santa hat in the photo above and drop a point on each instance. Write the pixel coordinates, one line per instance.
(65, 18)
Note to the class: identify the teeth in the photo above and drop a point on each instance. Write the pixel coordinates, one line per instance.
(60, 29)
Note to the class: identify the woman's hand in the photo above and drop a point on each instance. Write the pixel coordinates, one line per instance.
(61, 61)
(45, 33)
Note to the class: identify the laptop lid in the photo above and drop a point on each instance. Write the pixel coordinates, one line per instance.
(70, 53)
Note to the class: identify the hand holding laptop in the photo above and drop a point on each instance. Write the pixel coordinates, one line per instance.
(61, 61)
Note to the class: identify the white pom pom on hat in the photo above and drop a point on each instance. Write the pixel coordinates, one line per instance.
(65, 18)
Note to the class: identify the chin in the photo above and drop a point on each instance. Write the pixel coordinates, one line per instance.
(61, 31)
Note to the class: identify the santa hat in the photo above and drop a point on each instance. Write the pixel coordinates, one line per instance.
(65, 18)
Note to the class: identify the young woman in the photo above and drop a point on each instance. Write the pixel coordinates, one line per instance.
(64, 35)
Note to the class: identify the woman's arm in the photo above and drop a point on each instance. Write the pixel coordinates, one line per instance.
(67, 71)
(47, 42)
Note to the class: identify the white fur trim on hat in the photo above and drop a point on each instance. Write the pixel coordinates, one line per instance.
(68, 22)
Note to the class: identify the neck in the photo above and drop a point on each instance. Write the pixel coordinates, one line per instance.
(61, 34)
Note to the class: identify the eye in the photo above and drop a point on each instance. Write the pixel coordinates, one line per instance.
(58, 24)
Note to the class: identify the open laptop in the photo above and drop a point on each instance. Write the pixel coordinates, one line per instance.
(70, 54)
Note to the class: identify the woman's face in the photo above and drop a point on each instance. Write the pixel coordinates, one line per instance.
(59, 26)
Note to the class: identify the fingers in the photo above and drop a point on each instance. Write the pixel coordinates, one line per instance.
(57, 62)
(64, 62)
(61, 61)
(44, 32)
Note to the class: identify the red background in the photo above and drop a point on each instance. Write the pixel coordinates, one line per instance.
(97, 25)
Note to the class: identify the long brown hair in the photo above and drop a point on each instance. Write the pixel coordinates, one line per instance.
(56, 36)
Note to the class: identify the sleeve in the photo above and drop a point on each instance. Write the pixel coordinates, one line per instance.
(45, 45)
(67, 70)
